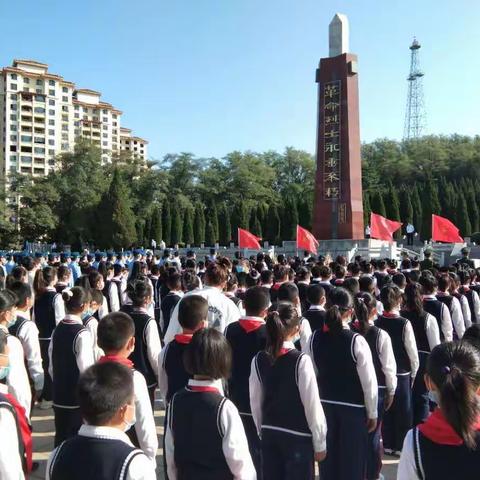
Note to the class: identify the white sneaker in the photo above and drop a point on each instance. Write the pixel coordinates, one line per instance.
(45, 405)
(381, 477)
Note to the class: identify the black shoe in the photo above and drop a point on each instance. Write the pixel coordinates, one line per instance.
(35, 466)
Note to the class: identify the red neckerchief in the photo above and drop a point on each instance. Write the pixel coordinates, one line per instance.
(325, 328)
(250, 325)
(25, 431)
(117, 359)
(283, 351)
(356, 324)
(339, 281)
(183, 338)
(276, 286)
(390, 315)
(198, 388)
(438, 430)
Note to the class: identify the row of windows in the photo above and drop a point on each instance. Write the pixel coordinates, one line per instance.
(14, 76)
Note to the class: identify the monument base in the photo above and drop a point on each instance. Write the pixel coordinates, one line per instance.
(367, 248)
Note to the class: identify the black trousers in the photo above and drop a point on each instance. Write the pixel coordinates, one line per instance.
(67, 423)
(254, 444)
(346, 443)
(375, 448)
(409, 238)
(398, 420)
(286, 456)
(420, 399)
(47, 383)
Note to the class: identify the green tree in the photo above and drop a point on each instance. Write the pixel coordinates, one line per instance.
(156, 225)
(213, 218)
(377, 204)
(167, 223)
(224, 226)
(290, 219)
(366, 208)
(147, 231)
(431, 205)
(188, 237)
(199, 224)
(392, 207)
(463, 224)
(210, 233)
(177, 224)
(406, 209)
(417, 209)
(240, 216)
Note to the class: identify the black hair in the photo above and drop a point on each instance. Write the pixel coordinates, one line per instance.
(3, 341)
(399, 280)
(63, 272)
(454, 368)
(256, 300)
(18, 274)
(352, 285)
(217, 272)
(429, 284)
(44, 278)
(114, 331)
(103, 389)
(413, 299)
(266, 276)
(96, 296)
(390, 296)
(94, 277)
(136, 271)
(288, 292)
(22, 292)
(315, 293)
(173, 279)
(340, 271)
(75, 299)
(280, 323)
(117, 269)
(472, 335)
(325, 272)
(190, 280)
(192, 310)
(444, 282)
(208, 354)
(280, 272)
(139, 291)
(341, 301)
(365, 303)
(366, 284)
(8, 300)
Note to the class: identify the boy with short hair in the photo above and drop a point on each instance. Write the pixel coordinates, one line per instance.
(316, 313)
(116, 337)
(106, 398)
(91, 323)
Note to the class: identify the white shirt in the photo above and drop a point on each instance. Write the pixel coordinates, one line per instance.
(10, 461)
(456, 315)
(387, 359)
(28, 336)
(140, 467)
(410, 228)
(467, 314)
(305, 333)
(407, 469)
(308, 390)
(103, 310)
(92, 327)
(476, 306)
(366, 373)
(432, 331)
(114, 296)
(221, 311)
(17, 380)
(445, 321)
(234, 442)
(144, 420)
(83, 348)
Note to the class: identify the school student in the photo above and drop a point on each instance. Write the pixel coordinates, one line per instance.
(97, 282)
(454, 290)
(70, 353)
(471, 295)
(247, 337)
(116, 337)
(174, 295)
(27, 332)
(285, 402)
(101, 450)
(172, 376)
(115, 289)
(217, 447)
(147, 340)
(348, 390)
(64, 276)
(17, 379)
(398, 419)
(447, 445)
(48, 311)
(452, 304)
(386, 370)
(427, 337)
(316, 312)
(16, 448)
(90, 322)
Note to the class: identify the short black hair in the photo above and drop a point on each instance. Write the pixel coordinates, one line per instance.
(288, 292)
(257, 299)
(315, 293)
(96, 296)
(8, 300)
(192, 310)
(472, 335)
(114, 331)
(3, 341)
(103, 389)
(22, 291)
(208, 354)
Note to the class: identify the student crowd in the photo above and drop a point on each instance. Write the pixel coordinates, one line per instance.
(265, 366)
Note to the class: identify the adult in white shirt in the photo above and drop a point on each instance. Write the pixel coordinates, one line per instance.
(221, 310)
(410, 230)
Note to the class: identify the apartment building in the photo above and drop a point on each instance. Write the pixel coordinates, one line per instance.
(42, 115)
(135, 145)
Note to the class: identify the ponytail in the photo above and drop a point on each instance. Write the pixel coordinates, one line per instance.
(280, 324)
(364, 306)
(454, 368)
(341, 301)
(75, 299)
(333, 319)
(43, 278)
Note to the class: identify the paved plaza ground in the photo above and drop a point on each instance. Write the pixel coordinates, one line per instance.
(43, 433)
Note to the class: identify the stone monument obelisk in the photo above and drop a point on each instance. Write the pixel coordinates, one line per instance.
(338, 208)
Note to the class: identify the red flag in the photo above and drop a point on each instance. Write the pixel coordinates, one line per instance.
(248, 240)
(383, 228)
(443, 230)
(306, 240)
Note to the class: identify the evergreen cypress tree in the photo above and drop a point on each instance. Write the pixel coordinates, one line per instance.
(377, 204)
(290, 219)
(156, 225)
(188, 236)
(406, 209)
(213, 217)
(273, 225)
(167, 224)
(199, 224)
(431, 205)
(177, 224)
(366, 208)
(224, 226)
(210, 234)
(240, 216)
(392, 207)
(472, 207)
(147, 230)
(463, 219)
(417, 209)
(305, 213)
(256, 227)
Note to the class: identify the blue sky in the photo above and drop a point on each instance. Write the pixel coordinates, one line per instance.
(212, 76)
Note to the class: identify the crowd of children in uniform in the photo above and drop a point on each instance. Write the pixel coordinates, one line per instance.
(264, 367)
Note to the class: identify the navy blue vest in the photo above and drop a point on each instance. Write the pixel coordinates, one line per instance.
(316, 319)
(282, 406)
(173, 363)
(445, 462)
(435, 308)
(139, 356)
(469, 294)
(419, 325)
(17, 326)
(44, 312)
(81, 458)
(60, 288)
(244, 347)
(198, 435)
(64, 363)
(118, 285)
(395, 327)
(106, 293)
(372, 337)
(338, 379)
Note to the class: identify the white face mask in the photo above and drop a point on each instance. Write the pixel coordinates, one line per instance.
(131, 423)
(433, 396)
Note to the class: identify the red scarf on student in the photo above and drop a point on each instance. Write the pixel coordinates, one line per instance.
(438, 430)
(25, 431)
(183, 338)
(117, 359)
(250, 325)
